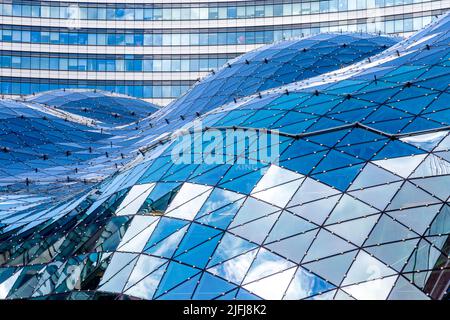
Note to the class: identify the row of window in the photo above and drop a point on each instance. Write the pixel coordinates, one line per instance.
(140, 89)
(151, 12)
(130, 64)
(200, 39)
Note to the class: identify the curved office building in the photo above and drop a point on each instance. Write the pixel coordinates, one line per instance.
(332, 187)
(156, 50)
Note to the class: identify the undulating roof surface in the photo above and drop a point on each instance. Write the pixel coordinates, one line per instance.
(34, 138)
(79, 151)
(44, 149)
(110, 109)
(265, 68)
(345, 197)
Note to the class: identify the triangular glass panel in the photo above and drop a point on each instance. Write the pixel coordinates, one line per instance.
(334, 268)
(287, 225)
(252, 209)
(417, 219)
(146, 287)
(221, 218)
(145, 265)
(316, 211)
(432, 166)
(138, 233)
(195, 235)
(245, 295)
(441, 224)
(356, 230)
(437, 186)
(387, 230)
(404, 290)
(210, 287)
(229, 247)
(183, 291)
(294, 248)
(325, 245)
(175, 274)
(402, 166)
(134, 199)
(280, 194)
(411, 196)
(349, 208)
(273, 287)
(426, 141)
(311, 190)
(395, 254)
(118, 271)
(340, 178)
(257, 230)
(165, 227)
(379, 197)
(305, 284)
(188, 201)
(201, 254)
(366, 268)
(218, 199)
(234, 270)
(372, 175)
(167, 246)
(378, 289)
(266, 264)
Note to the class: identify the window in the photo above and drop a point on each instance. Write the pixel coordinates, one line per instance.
(45, 12)
(54, 12)
(148, 14)
(166, 14)
(7, 9)
(17, 10)
(213, 13)
(185, 14)
(36, 11)
(92, 13)
(241, 12)
(232, 12)
(203, 13)
(278, 10)
(101, 13)
(259, 11)
(147, 65)
(176, 14)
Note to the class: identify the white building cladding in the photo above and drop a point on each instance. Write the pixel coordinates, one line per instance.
(157, 49)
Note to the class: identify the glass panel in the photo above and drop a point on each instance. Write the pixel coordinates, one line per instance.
(265, 264)
(273, 287)
(327, 244)
(188, 201)
(366, 268)
(134, 199)
(306, 284)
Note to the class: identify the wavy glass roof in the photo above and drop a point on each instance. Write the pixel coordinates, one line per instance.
(34, 138)
(265, 68)
(111, 128)
(45, 149)
(403, 89)
(353, 205)
(107, 108)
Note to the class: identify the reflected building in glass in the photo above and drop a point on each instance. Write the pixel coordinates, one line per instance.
(156, 50)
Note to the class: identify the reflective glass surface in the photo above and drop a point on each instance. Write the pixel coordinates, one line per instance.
(354, 205)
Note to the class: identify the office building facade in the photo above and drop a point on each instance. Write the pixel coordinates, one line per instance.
(156, 50)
